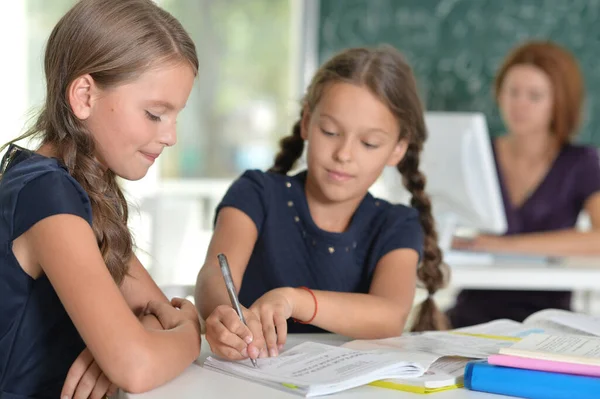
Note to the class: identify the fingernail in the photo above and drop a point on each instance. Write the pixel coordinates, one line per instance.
(248, 340)
(273, 352)
(64, 397)
(254, 352)
(263, 353)
(280, 346)
(244, 352)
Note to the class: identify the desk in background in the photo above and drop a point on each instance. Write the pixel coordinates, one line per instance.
(197, 382)
(570, 273)
(578, 274)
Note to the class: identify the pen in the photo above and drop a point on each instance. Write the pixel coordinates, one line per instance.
(231, 291)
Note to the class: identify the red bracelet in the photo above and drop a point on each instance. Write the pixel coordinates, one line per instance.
(316, 307)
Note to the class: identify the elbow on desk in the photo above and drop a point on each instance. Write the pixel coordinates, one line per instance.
(136, 381)
(384, 327)
(131, 371)
(394, 328)
(139, 370)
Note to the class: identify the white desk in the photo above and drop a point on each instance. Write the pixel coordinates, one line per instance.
(197, 382)
(577, 274)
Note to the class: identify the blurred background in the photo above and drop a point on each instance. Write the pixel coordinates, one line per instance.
(256, 57)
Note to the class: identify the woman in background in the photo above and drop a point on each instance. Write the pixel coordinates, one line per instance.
(545, 179)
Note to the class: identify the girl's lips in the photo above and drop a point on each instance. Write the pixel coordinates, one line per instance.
(339, 176)
(151, 157)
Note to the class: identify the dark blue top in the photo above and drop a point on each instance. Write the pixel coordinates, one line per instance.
(291, 251)
(554, 205)
(38, 342)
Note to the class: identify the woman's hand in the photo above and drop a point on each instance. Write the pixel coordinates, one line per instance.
(482, 243)
(228, 337)
(273, 309)
(86, 380)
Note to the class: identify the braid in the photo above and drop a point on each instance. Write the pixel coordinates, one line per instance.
(109, 207)
(291, 148)
(431, 272)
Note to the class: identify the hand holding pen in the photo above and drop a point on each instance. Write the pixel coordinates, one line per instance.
(235, 303)
(229, 335)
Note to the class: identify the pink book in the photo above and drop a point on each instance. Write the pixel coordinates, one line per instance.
(544, 365)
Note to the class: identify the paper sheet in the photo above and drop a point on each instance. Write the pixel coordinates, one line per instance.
(502, 327)
(312, 363)
(585, 323)
(569, 345)
(556, 321)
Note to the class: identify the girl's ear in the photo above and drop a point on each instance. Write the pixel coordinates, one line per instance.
(398, 153)
(305, 123)
(80, 96)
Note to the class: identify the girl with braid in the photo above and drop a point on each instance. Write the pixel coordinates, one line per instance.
(79, 314)
(315, 251)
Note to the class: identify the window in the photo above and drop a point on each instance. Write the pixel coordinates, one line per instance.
(246, 92)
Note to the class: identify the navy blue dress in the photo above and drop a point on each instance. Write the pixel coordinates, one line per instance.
(38, 341)
(291, 251)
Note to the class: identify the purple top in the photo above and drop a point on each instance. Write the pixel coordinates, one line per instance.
(554, 205)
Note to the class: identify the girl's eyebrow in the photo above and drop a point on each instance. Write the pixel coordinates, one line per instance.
(368, 130)
(164, 104)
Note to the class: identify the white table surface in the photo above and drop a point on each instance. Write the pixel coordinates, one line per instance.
(573, 273)
(197, 382)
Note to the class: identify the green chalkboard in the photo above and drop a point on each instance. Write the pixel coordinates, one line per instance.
(456, 46)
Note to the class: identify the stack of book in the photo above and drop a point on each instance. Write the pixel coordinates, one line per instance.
(457, 348)
(541, 366)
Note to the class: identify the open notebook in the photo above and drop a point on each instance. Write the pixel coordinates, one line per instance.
(452, 349)
(313, 369)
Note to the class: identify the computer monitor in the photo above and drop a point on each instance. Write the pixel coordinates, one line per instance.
(462, 179)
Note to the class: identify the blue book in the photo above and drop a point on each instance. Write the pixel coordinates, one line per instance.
(531, 384)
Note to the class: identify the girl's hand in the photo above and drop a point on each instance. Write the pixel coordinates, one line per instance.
(180, 311)
(273, 309)
(228, 337)
(86, 380)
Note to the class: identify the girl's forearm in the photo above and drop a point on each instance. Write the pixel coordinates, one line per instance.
(210, 293)
(157, 357)
(360, 316)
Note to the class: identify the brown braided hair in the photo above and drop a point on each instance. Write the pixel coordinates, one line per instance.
(114, 41)
(385, 73)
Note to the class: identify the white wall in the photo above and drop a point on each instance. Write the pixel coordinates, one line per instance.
(13, 68)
